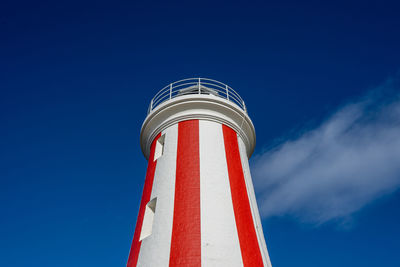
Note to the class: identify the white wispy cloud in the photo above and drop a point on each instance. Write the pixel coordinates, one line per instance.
(330, 172)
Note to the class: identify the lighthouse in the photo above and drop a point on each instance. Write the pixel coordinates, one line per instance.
(198, 206)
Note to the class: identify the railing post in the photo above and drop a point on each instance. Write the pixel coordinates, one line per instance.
(170, 90)
(199, 87)
(151, 105)
(244, 106)
(227, 92)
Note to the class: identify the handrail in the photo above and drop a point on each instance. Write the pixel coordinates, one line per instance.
(192, 86)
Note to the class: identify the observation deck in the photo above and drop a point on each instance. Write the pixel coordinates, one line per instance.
(197, 99)
(193, 86)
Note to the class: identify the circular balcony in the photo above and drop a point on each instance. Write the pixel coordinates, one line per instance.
(199, 86)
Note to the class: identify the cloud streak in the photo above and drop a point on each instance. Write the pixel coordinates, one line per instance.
(330, 172)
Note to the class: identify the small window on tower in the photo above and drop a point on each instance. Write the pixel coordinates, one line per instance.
(148, 219)
(159, 147)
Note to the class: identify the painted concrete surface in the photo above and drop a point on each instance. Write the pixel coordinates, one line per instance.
(148, 185)
(253, 203)
(155, 250)
(206, 213)
(186, 230)
(219, 239)
(249, 246)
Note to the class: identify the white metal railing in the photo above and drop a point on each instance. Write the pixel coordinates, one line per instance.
(196, 86)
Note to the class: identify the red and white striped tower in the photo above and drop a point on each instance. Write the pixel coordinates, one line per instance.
(198, 206)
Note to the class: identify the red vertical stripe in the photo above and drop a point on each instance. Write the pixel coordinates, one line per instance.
(148, 185)
(249, 246)
(186, 235)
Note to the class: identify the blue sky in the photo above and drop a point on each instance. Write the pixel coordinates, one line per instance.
(75, 81)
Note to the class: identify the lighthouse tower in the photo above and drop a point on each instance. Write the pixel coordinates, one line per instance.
(198, 206)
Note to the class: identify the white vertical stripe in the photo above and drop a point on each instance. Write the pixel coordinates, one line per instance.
(155, 249)
(219, 238)
(253, 203)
